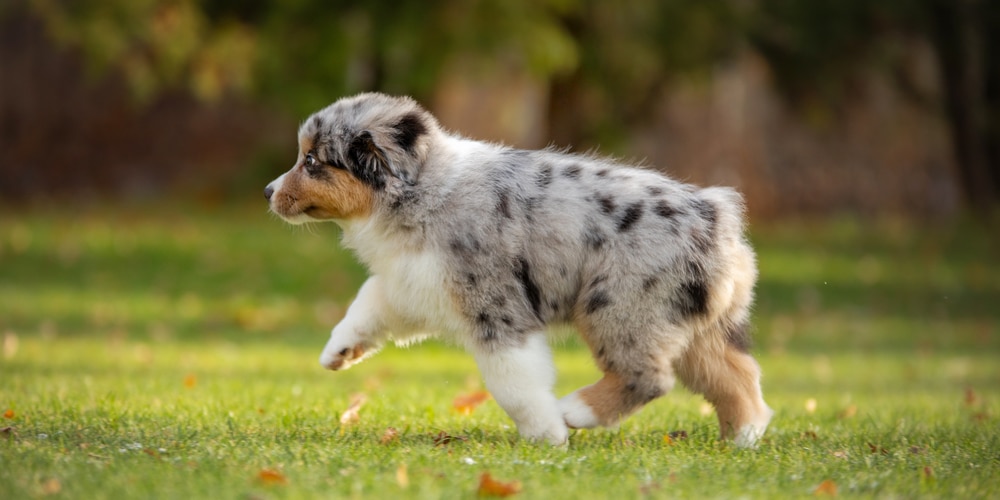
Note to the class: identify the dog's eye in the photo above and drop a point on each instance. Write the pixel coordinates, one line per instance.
(311, 161)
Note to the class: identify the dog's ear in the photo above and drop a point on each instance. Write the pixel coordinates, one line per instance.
(370, 164)
(393, 151)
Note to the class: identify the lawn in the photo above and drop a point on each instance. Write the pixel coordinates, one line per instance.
(170, 351)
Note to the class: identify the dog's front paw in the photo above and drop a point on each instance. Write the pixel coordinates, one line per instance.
(340, 358)
(555, 433)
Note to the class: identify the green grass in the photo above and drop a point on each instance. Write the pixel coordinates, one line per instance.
(170, 351)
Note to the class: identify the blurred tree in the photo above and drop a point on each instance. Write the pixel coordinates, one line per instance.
(816, 47)
(607, 62)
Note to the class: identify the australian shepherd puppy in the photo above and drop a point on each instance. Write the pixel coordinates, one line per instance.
(486, 245)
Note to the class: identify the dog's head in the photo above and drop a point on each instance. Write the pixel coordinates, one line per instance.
(351, 154)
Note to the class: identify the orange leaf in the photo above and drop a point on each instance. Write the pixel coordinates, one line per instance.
(970, 396)
(390, 435)
(849, 412)
(827, 487)
(9, 414)
(271, 476)
(51, 486)
(493, 488)
(190, 381)
(465, 403)
(352, 413)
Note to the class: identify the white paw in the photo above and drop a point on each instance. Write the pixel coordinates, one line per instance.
(748, 435)
(554, 433)
(576, 413)
(335, 357)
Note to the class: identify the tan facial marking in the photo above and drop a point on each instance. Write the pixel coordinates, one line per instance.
(338, 195)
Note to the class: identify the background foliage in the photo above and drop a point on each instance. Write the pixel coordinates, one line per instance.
(604, 69)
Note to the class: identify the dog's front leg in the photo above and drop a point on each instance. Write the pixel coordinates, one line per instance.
(360, 333)
(521, 379)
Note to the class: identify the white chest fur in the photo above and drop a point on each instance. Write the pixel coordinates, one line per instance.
(414, 286)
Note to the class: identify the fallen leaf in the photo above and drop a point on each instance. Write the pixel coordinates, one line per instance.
(877, 449)
(672, 437)
(390, 435)
(9, 414)
(442, 438)
(51, 486)
(466, 403)
(809, 435)
(489, 487)
(849, 412)
(402, 477)
(841, 454)
(827, 487)
(190, 380)
(917, 450)
(271, 476)
(352, 413)
(7, 431)
(678, 435)
(927, 472)
(970, 397)
(151, 452)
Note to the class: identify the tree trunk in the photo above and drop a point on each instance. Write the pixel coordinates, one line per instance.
(959, 39)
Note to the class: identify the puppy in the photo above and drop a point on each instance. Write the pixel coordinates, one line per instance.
(485, 245)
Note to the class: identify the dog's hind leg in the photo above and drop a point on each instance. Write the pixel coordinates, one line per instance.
(637, 369)
(718, 366)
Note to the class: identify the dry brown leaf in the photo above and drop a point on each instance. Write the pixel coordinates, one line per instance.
(443, 438)
(489, 487)
(9, 414)
(7, 431)
(352, 413)
(271, 476)
(390, 435)
(849, 412)
(877, 449)
(190, 380)
(927, 473)
(841, 454)
(466, 403)
(827, 487)
(51, 486)
(402, 476)
(677, 435)
(970, 397)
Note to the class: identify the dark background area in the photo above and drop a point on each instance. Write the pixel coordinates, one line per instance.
(827, 106)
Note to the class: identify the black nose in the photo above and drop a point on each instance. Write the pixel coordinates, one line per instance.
(268, 191)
